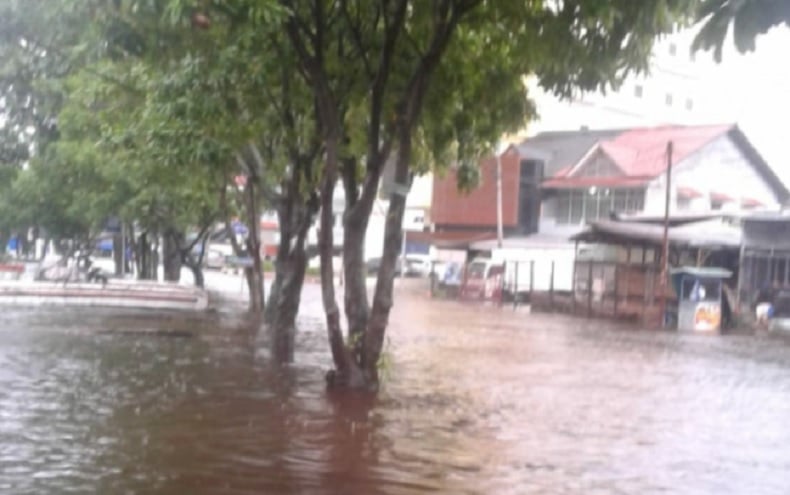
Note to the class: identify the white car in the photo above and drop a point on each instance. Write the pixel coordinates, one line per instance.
(418, 266)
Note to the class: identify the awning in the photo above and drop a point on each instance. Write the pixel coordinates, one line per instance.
(712, 234)
(689, 193)
(721, 197)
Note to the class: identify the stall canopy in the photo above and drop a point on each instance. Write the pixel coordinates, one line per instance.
(712, 234)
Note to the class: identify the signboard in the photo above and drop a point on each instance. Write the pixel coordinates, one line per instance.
(707, 317)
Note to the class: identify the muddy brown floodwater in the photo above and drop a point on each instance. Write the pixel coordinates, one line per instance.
(477, 400)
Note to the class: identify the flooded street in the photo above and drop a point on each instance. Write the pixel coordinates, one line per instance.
(477, 400)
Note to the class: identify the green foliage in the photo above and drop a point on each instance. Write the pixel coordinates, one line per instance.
(150, 109)
(748, 18)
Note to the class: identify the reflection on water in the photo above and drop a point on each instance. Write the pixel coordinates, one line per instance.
(478, 401)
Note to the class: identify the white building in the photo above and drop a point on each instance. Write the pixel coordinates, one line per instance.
(683, 88)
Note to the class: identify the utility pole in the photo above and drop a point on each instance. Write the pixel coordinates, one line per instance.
(665, 243)
(499, 233)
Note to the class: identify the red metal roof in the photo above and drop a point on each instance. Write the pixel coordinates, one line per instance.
(643, 151)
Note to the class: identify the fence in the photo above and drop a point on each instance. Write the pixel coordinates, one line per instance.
(589, 288)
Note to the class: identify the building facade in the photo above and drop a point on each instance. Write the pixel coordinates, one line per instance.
(564, 180)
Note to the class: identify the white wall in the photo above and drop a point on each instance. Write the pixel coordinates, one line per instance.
(718, 167)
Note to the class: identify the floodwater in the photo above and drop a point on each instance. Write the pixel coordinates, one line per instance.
(477, 400)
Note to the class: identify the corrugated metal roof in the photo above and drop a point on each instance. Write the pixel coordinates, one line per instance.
(711, 234)
(703, 271)
(643, 151)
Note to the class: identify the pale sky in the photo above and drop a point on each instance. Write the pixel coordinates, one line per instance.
(760, 85)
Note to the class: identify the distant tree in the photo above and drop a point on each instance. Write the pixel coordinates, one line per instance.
(748, 18)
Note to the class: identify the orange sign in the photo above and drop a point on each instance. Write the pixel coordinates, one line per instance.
(707, 317)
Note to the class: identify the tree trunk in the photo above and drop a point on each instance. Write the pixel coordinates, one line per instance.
(280, 272)
(254, 273)
(144, 255)
(117, 253)
(355, 289)
(196, 266)
(197, 274)
(283, 324)
(285, 296)
(172, 243)
(281, 262)
(346, 372)
(131, 248)
(153, 263)
(393, 235)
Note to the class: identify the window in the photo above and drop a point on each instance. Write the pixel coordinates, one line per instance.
(580, 206)
(689, 104)
(576, 207)
(673, 49)
(668, 99)
(638, 90)
(531, 171)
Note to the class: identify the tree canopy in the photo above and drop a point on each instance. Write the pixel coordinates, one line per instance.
(746, 19)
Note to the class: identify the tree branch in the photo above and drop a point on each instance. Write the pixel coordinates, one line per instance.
(356, 37)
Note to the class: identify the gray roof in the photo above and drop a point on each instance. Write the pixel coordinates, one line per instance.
(565, 148)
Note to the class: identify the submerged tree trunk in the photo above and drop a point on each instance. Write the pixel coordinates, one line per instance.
(254, 273)
(346, 373)
(355, 289)
(295, 217)
(283, 320)
(382, 297)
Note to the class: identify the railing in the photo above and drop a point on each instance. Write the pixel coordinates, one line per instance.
(589, 288)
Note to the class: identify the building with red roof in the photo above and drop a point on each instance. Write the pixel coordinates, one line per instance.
(571, 178)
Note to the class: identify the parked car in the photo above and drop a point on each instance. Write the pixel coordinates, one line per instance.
(214, 259)
(217, 255)
(373, 264)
